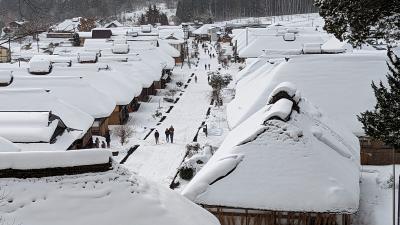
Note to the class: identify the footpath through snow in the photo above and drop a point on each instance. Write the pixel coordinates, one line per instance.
(160, 162)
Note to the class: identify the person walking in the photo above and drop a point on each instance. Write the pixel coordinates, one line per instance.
(156, 136)
(108, 139)
(205, 130)
(195, 79)
(205, 66)
(167, 135)
(97, 143)
(209, 66)
(103, 144)
(171, 133)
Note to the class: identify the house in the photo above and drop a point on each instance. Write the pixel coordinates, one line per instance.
(14, 26)
(70, 89)
(113, 24)
(327, 80)
(5, 55)
(107, 79)
(178, 44)
(171, 51)
(203, 32)
(288, 163)
(36, 120)
(67, 26)
(105, 192)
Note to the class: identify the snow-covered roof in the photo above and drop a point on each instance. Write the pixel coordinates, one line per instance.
(113, 23)
(56, 159)
(68, 25)
(167, 48)
(287, 156)
(326, 80)
(25, 107)
(112, 197)
(69, 89)
(333, 45)
(8, 146)
(203, 30)
(165, 31)
(28, 127)
(276, 45)
(109, 81)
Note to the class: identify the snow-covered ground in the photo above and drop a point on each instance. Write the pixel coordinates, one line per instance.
(376, 203)
(160, 162)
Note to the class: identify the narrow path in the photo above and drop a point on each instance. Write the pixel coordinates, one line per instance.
(160, 162)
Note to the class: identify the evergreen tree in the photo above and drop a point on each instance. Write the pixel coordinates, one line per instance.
(360, 20)
(383, 123)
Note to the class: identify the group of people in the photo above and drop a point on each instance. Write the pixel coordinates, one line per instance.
(104, 144)
(169, 135)
(205, 66)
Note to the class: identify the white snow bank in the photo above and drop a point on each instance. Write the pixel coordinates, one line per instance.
(284, 166)
(333, 45)
(39, 66)
(120, 49)
(87, 57)
(42, 160)
(112, 197)
(5, 78)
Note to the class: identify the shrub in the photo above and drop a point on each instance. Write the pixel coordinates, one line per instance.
(186, 173)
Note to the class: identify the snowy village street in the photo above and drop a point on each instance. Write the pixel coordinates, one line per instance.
(160, 162)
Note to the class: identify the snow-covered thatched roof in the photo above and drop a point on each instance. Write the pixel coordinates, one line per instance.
(326, 80)
(69, 89)
(288, 156)
(112, 197)
(8, 146)
(276, 45)
(25, 118)
(112, 24)
(167, 48)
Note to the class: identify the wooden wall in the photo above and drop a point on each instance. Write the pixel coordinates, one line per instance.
(229, 216)
(375, 152)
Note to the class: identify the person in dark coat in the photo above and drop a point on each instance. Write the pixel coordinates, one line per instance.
(209, 66)
(205, 66)
(156, 136)
(205, 130)
(103, 144)
(167, 135)
(108, 139)
(97, 143)
(195, 79)
(171, 133)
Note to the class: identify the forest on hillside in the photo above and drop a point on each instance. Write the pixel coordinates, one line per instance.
(208, 10)
(57, 10)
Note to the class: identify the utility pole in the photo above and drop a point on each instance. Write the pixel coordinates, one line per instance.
(394, 185)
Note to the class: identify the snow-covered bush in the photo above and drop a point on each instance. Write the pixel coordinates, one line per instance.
(186, 173)
(195, 160)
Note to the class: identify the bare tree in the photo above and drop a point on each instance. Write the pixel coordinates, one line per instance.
(123, 132)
